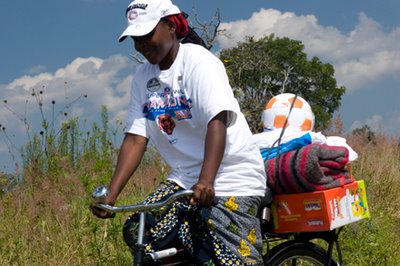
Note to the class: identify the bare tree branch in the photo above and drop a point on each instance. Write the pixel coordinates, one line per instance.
(209, 30)
(286, 73)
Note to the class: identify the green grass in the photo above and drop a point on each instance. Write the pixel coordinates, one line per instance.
(45, 219)
(376, 241)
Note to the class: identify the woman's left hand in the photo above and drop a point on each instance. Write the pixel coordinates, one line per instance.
(203, 194)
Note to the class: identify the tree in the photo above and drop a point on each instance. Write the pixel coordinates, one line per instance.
(366, 133)
(260, 69)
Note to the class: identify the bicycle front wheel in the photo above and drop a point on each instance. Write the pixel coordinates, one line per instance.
(299, 253)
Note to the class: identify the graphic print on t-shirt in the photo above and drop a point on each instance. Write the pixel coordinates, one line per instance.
(166, 123)
(165, 106)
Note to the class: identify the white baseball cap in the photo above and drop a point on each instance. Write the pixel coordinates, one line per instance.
(144, 15)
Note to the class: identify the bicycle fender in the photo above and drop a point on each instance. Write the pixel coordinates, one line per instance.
(289, 246)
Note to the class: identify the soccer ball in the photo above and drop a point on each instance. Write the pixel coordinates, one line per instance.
(276, 112)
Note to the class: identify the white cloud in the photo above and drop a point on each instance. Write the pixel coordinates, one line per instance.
(78, 89)
(366, 54)
(378, 66)
(99, 79)
(374, 122)
(388, 124)
(27, 82)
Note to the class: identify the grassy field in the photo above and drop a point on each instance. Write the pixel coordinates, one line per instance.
(45, 220)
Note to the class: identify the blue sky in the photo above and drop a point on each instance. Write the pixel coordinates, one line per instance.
(70, 48)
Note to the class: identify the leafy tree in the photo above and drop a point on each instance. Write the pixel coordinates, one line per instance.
(366, 133)
(260, 69)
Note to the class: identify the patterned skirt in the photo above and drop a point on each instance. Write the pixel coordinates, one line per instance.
(227, 233)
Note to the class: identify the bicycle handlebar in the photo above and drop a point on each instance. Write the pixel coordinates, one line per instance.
(100, 193)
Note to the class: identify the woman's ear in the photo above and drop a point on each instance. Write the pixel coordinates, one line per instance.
(171, 26)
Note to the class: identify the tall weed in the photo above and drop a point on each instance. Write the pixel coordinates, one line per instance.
(45, 217)
(376, 241)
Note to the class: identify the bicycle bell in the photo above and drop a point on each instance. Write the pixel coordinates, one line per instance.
(100, 194)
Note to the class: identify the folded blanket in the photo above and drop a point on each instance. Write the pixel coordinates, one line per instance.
(311, 168)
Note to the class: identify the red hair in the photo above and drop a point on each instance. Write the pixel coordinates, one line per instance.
(181, 24)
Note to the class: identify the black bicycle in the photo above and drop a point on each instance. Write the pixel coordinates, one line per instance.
(281, 249)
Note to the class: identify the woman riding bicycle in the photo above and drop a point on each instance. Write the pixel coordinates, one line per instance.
(182, 102)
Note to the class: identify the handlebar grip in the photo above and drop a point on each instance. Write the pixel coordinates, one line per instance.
(144, 207)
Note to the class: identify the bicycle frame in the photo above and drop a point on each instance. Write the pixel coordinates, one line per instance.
(298, 238)
(139, 256)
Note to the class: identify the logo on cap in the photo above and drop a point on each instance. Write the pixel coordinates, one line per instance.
(135, 6)
(164, 12)
(132, 15)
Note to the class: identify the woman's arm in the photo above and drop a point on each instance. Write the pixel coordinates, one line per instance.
(213, 154)
(130, 155)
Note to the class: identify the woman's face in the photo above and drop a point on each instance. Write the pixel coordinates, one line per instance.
(158, 46)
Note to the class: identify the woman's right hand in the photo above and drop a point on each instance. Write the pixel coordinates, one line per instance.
(100, 212)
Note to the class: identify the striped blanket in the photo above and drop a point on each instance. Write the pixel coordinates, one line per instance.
(311, 168)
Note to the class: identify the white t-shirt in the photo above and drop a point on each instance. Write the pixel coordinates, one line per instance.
(173, 108)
